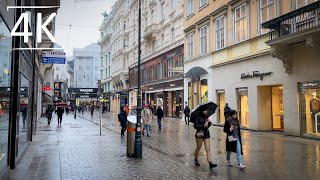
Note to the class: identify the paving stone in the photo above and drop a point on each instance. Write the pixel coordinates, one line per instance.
(77, 151)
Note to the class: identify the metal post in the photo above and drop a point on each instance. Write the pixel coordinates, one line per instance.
(138, 140)
(34, 29)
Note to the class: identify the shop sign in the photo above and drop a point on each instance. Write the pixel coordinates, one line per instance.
(220, 92)
(123, 93)
(176, 69)
(255, 74)
(46, 88)
(310, 85)
(83, 90)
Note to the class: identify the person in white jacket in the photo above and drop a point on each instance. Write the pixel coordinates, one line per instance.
(147, 119)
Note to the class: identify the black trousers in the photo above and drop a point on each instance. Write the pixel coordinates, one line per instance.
(123, 129)
(187, 119)
(59, 118)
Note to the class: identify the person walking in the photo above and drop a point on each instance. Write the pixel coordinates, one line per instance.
(67, 110)
(187, 114)
(202, 124)
(123, 120)
(227, 111)
(49, 112)
(147, 118)
(159, 116)
(60, 111)
(92, 110)
(233, 141)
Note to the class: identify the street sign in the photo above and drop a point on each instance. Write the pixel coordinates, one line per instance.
(53, 57)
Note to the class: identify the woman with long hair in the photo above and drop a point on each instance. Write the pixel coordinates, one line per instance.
(233, 141)
(202, 124)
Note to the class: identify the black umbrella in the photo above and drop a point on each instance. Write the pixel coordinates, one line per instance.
(210, 106)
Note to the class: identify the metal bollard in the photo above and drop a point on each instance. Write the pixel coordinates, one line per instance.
(130, 138)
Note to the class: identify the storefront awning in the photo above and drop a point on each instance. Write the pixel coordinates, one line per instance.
(195, 72)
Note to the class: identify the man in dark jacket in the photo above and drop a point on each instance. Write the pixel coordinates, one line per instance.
(227, 111)
(60, 111)
(123, 120)
(159, 116)
(187, 114)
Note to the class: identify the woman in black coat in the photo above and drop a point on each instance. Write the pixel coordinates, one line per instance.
(233, 141)
(202, 124)
(123, 120)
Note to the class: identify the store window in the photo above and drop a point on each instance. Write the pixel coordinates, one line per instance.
(24, 113)
(221, 102)
(310, 110)
(204, 90)
(190, 95)
(243, 109)
(5, 58)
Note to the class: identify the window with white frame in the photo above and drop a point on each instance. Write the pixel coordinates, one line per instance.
(190, 45)
(190, 7)
(301, 3)
(204, 40)
(267, 12)
(240, 23)
(220, 24)
(202, 3)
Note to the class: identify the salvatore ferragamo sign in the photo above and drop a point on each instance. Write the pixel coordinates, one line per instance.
(255, 74)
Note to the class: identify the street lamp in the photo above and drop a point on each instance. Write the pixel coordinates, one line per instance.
(138, 140)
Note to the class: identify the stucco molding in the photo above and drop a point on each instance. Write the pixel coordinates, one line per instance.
(283, 55)
(311, 43)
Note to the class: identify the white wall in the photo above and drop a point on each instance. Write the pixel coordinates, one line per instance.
(305, 69)
(227, 77)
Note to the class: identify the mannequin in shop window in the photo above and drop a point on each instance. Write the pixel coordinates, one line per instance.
(314, 108)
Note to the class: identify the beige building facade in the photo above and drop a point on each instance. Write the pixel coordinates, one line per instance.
(227, 60)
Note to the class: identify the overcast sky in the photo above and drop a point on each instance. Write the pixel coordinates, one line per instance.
(85, 18)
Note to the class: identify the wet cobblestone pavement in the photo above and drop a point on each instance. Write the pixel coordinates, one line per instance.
(77, 151)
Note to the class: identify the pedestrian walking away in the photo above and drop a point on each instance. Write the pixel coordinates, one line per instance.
(92, 110)
(60, 111)
(227, 111)
(202, 124)
(123, 120)
(233, 141)
(187, 114)
(49, 112)
(67, 110)
(147, 118)
(159, 116)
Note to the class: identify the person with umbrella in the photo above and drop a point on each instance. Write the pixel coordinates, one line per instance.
(200, 117)
(233, 141)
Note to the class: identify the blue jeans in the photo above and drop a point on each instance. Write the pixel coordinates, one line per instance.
(159, 123)
(146, 127)
(239, 155)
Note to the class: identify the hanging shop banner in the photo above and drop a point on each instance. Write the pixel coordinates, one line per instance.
(53, 57)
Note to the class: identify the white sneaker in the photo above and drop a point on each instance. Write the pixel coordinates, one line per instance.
(229, 163)
(241, 166)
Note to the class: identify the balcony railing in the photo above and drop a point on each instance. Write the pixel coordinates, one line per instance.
(305, 18)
